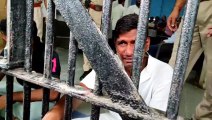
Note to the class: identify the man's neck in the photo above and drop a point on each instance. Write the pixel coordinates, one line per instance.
(144, 64)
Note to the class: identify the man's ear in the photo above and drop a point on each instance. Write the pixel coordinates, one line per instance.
(147, 44)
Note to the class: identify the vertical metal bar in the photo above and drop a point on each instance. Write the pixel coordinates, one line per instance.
(9, 99)
(182, 58)
(27, 99)
(140, 41)
(105, 25)
(28, 58)
(28, 38)
(48, 54)
(71, 73)
(95, 110)
(106, 17)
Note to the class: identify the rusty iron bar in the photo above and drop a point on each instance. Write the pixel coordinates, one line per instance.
(105, 29)
(140, 41)
(182, 58)
(28, 58)
(16, 21)
(64, 88)
(106, 18)
(72, 56)
(48, 54)
(9, 99)
(101, 57)
(28, 38)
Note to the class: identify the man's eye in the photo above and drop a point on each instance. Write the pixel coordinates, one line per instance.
(122, 43)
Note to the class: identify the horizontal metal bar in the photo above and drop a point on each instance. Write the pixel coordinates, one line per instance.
(77, 92)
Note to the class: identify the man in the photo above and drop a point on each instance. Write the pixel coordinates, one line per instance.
(155, 80)
(37, 92)
(201, 43)
(134, 9)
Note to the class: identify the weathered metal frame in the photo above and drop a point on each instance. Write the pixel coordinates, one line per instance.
(126, 102)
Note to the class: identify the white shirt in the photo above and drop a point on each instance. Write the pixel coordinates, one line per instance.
(117, 13)
(154, 85)
(114, 4)
(131, 10)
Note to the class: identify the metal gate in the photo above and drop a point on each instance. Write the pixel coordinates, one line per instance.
(17, 61)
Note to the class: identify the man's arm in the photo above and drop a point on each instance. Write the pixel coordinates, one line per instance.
(171, 22)
(36, 95)
(57, 112)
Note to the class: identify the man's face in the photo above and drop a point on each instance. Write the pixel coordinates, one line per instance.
(125, 47)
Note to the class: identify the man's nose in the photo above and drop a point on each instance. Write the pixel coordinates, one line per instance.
(129, 50)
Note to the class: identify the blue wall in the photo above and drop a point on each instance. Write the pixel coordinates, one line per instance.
(160, 7)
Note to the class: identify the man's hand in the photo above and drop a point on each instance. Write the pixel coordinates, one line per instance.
(54, 114)
(2, 102)
(209, 33)
(172, 19)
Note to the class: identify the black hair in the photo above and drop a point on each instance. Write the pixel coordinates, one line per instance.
(121, 1)
(3, 26)
(126, 24)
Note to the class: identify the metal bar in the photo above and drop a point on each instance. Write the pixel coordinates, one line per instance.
(182, 58)
(77, 92)
(27, 100)
(28, 58)
(28, 38)
(9, 99)
(16, 22)
(100, 55)
(95, 110)
(106, 17)
(105, 25)
(71, 73)
(140, 41)
(48, 54)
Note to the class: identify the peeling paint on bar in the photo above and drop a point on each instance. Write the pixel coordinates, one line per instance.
(28, 38)
(71, 73)
(106, 17)
(182, 58)
(84, 95)
(105, 28)
(140, 41)
(48, 54)
(114, 80)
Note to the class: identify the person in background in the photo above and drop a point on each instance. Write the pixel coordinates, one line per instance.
(37, 91)
(201, 42)
(133, 9)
